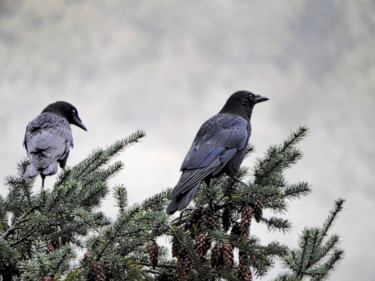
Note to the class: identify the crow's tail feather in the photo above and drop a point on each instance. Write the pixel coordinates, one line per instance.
(180, 202)
(31, 172)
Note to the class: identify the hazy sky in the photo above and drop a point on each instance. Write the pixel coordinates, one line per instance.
(167, 67)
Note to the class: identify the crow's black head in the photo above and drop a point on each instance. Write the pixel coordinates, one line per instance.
(241, 103)
(67, 111)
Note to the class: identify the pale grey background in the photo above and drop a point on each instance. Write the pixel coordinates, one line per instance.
(167, 66)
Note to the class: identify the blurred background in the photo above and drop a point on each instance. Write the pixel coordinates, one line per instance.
(167, 66)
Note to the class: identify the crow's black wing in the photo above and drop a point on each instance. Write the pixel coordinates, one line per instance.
(218, 135)
(48, 139)
(217, 142)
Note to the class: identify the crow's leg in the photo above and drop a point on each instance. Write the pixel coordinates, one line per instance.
(43, 178)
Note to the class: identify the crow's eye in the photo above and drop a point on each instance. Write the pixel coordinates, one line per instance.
(74, 111)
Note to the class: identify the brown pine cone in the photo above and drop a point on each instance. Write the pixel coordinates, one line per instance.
(208, 218)
(52, 245)
(49, 247)
(85, 260)
(258, 210)
(176, 247)
(217, 261)
(228, 256)
(154, 254)
(48, 277)
(97, 272)
(193, 218)
(247, 213)
(183, 266)
(202, 245)
(244, 268)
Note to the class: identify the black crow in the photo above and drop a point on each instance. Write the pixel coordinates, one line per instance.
(49, 137)
(219, 147)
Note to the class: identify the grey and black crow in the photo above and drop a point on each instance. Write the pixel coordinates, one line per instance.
(219, 147)
(49, 137)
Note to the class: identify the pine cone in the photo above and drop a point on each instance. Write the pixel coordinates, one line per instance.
(48, 277)
(193, 218)
(247, 213)
(202, 245)
(228, 256)
(49, 247)
(85, 260)
(183, 266)
(154, 254)
(244, 269)
(258, 210)
(52, 245)
(176, 247)
(208, 218)
(97, 272)
(226, 217)
(217, 261)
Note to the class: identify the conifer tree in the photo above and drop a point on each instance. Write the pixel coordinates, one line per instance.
(40, 231)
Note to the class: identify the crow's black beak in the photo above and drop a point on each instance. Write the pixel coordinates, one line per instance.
(79, 123)
(259, 98)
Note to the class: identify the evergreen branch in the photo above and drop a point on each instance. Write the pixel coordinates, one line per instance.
(317, 273)
(304, 244)
(62, 177)
(20, 220)
(94, 194)
(169, 266)
(329, 245)
(102, 174)
(335, 257)
(117, 228)
(290, 260)
(287, 277)
(63, 259)
(21, 185)
(275, 248)
(121, 196)
(313, 246)
(279, 157)
(100, 157)
(297, 190)
(84, 167)
(274, 224)
(30, 231)
(41, 263)
(157, 201)
(7, 253)
(333, 213)
(295, 138)
(249, 149)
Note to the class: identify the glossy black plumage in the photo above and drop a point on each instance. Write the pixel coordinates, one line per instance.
(219, 147)
(48, 139)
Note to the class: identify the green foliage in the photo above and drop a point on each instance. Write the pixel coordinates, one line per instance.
(318, 253)
(47, 226)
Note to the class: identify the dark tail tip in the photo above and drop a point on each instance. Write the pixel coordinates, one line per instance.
(172, 207)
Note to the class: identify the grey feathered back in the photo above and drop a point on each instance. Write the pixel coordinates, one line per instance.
(47, 141)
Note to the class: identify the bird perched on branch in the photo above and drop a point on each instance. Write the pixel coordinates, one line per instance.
(219, 147)
(49, 137)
